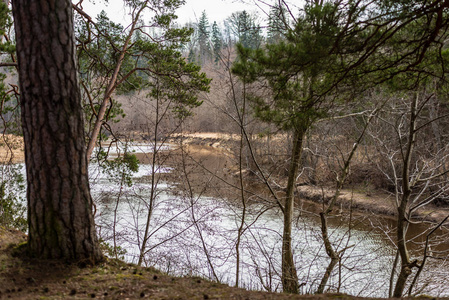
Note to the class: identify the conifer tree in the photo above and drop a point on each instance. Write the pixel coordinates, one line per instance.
(245, 29)
(277, 23)
(299, 72)
(60, 218)
(217, 41)
(117, 59)
(203, 32)
(331, 47)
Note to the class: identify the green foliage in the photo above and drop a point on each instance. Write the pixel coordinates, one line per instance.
(5, 25)
(9, 104)
(10, 109)
(246, 29)
(182, 95)
(277, 23)
(12, 190)
(217, 41)
(110, 251)
(151, 58)
(298, 70)
(121, 168)
(203, 37)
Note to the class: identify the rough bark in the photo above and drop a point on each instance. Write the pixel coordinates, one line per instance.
(289, 275)
(61, 224)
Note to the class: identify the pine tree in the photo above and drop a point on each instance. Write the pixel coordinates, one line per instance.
(277, 23)
(217, 41)
(298, 71)
(245, 29)
(61, 223)
(121, 57)
(203, 38)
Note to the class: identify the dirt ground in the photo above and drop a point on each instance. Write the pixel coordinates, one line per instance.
(25, 278)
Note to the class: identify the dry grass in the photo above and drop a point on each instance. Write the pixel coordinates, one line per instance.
(11, 149)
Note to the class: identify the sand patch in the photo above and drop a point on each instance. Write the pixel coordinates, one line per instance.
(11, 149)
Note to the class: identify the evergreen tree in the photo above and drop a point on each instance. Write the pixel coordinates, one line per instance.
(117, 59)
(245, 29)
(277, 23)
(217, 41)
(190, 47)
(299, 72)
(60, 218)
(203, 38)
(335, 46)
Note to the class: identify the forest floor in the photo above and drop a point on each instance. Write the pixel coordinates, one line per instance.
(25, 278)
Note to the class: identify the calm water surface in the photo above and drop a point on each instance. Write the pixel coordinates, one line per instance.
(196, 235)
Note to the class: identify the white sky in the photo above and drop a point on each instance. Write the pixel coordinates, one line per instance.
(216, 10)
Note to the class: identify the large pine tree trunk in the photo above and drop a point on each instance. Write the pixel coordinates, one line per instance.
(61, 224)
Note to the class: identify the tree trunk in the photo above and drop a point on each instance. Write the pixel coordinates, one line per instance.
(335, 258)
(289, 276)
(402, 218)
(61, 224)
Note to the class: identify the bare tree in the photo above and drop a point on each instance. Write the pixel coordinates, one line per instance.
(415, 168)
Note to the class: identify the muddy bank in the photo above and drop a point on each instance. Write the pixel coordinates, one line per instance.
(209, 161)
(209, 158)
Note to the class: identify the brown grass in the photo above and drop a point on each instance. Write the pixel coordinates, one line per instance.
(11, 149)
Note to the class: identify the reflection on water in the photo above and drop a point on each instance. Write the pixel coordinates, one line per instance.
(183, 229)
(186, 231)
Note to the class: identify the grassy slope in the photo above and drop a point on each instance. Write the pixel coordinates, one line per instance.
(23, 278)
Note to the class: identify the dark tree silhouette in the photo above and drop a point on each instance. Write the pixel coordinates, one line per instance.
(61, 224)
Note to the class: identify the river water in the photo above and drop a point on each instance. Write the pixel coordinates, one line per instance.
(194, 234)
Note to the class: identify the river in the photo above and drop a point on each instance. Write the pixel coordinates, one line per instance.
(195, 234)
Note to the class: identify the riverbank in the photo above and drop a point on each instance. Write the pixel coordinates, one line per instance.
(211, 164)
(24, 278)
(208, 147)
(212, 150)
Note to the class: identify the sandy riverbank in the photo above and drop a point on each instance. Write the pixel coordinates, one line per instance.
(11, 149)
(208, 147)
(209, 159)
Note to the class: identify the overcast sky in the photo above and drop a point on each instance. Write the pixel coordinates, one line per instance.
(216, 10)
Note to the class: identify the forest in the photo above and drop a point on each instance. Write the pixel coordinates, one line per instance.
(301, 149)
